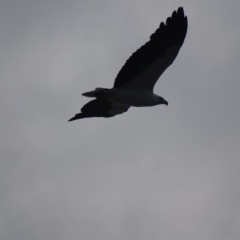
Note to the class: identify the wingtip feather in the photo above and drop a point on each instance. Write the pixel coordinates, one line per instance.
(76, 117)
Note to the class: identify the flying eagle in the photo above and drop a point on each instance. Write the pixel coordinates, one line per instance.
(134, 83)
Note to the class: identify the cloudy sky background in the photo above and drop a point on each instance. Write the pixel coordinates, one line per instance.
(152, 173)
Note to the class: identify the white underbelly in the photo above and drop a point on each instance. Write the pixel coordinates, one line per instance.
(133, 98)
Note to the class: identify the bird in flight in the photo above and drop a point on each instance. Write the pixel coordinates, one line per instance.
(134, 83)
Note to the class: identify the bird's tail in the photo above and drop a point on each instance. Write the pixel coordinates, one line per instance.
(97, 92)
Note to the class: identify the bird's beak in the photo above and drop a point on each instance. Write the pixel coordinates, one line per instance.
(166, 103)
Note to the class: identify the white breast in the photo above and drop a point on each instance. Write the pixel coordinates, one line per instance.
(134, 97)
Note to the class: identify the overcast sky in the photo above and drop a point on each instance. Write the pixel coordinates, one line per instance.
(168, 173)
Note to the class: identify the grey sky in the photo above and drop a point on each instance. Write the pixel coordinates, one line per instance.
(152, 173)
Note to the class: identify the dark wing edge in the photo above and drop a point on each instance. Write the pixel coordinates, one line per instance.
(171, 34)
(100, 108)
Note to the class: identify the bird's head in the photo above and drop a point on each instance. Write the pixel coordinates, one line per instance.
(162, 101)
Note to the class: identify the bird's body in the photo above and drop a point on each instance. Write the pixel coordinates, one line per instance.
(133, 97)
(135, 82)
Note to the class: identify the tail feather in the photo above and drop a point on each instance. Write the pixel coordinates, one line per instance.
(96, 93)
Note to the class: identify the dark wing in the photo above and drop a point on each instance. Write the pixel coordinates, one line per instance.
(100, 108)
(146, 65)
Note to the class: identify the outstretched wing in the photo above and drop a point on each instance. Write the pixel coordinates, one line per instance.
(100, 108)
(146, 65)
